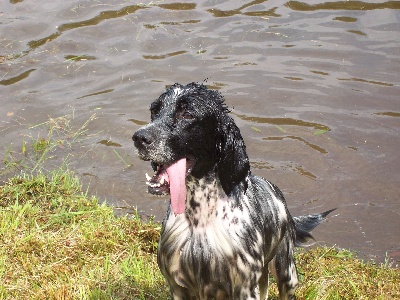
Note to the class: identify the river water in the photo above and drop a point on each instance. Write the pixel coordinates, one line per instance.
(313, 87)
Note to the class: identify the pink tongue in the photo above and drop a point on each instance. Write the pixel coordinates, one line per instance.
(177, 187)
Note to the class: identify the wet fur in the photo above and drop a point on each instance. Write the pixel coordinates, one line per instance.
(236, 228)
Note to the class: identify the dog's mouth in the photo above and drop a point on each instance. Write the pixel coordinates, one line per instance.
(171, 179)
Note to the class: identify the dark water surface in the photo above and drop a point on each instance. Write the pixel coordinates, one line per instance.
(315, 90)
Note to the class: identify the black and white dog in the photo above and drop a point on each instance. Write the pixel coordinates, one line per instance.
(225, 229)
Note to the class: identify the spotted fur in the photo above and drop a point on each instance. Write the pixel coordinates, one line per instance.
(236, 228)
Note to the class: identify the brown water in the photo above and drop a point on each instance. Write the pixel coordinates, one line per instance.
(314, 89)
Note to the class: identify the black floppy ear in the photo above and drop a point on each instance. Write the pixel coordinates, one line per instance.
(233, 164)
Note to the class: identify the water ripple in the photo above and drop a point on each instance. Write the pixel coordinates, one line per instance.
(162, 56)
(342, 5)
(17, 78)
(284, 121)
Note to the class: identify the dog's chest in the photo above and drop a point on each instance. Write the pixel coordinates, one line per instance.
(207, 241)
(205, 202)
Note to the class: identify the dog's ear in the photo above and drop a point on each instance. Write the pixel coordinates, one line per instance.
(232, 160)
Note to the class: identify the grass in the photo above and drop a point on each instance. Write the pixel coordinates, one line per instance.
(57, 242)
(332, 273)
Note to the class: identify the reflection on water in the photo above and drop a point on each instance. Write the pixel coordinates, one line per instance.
(312, 146)
(178, 6)
(17, 78)
(314, 88)
(102, 16)
(366, 81)
(97, 93)
(109, 143)
(389, 114)
(79, 57)
(342, 5)
(283, 121)
(137, 122)
(345, 19)
(229, 13)
(162, 56)
(284, 166)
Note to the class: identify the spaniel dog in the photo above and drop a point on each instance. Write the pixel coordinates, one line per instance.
(225, 229)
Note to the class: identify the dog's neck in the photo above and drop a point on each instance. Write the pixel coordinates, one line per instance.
(204, 199)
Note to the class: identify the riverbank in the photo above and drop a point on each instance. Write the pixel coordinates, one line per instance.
(59, 243)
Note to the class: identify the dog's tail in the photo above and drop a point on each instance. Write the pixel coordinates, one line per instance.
(304, 224)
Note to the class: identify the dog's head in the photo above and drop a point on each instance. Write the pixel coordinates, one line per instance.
(191, 133)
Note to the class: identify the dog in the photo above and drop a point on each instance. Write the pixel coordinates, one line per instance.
(225, 229)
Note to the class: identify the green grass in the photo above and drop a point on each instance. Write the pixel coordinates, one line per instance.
(56, 242)
(331, 273)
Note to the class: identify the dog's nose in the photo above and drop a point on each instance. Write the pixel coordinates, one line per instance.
(142, 138)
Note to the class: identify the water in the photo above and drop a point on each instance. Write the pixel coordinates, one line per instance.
(314, 89)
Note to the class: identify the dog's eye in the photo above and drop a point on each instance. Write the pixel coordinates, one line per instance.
(183, 112)
(187, 115)
(153, 113)
(154, 109)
